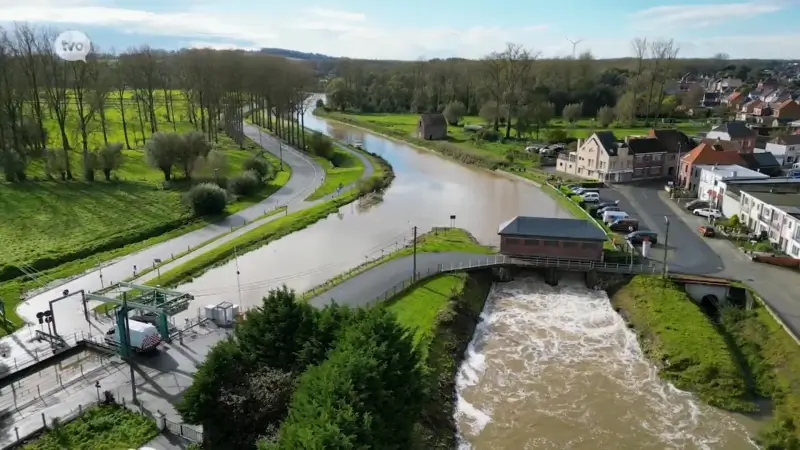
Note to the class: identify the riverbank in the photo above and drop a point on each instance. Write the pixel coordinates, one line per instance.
(121, 244)
(436, 240)
(442, 313)
(735, 362)
(276, 229)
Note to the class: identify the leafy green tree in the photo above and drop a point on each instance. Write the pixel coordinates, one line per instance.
(193, 148)
(321, 146)
(109, 158)
(572, 112)
(541, 113)
(276, 332)
(454, 112)
(605, 116)
(162, 150)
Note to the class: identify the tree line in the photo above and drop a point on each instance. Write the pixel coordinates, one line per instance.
(141, 91)
(514, 86)
(295, 377)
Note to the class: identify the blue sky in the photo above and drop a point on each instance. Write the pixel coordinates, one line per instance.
(414, 29)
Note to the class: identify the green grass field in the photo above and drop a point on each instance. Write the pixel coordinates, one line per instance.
(99, 428)
(348, 169)
(673, 328)
(404, 127)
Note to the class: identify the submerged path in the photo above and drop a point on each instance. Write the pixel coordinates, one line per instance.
(307, 175)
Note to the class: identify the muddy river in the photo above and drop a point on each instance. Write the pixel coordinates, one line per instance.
(548, 367)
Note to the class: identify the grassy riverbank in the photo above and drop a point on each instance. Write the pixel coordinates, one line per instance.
(731, 363)
(99, 428)
(442, 312)
(275, 229)
(437, 240)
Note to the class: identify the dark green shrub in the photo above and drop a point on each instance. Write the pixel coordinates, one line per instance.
(207, 199)
(245, 184)
(258, 164)
(488, 135)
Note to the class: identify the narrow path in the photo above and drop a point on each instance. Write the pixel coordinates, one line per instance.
(306, 177)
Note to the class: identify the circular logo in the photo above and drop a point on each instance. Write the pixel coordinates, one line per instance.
(72, 45)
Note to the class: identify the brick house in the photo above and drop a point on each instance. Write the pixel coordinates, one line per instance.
(547, 237)
(675, 144)
(432, 127)
(787, 110)
(708, 152)
(736, 132)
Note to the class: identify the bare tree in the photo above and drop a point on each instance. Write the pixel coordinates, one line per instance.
(31, 61)
(640, 47)
(56, 87)
(84, 75)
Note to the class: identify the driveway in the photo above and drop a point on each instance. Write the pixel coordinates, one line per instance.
(687, 251)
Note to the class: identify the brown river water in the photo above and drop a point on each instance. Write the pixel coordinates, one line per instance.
(547, 368)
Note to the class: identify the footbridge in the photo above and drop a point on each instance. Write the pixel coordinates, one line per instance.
(575, 265)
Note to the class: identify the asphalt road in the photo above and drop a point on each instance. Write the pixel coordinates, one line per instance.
(687, 251)
(307, 175)
(367, 286)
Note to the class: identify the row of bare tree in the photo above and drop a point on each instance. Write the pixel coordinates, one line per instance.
(132, 95)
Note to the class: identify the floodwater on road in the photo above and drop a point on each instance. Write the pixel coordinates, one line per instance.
(427, 190)
(557, 368)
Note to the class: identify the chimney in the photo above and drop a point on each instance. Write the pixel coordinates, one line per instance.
(580, 143)
(735, 173)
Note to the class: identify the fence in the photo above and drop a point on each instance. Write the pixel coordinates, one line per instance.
(38, 354)
(185, 431)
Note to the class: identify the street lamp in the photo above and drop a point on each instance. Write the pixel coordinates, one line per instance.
(97, 386)
(666, 245)
(156, 262)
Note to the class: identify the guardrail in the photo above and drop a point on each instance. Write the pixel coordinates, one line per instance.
(503, 260)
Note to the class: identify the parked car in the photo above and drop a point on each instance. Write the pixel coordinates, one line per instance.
(708, 213)
(707, 231)
(583, 190)
(607, 208)
(594, 209)
(695, 204)
(591, 197)
(623, 225)
(637, 237)
(610, 217)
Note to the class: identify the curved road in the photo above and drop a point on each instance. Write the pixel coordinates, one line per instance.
(306, 177)
(365, 287)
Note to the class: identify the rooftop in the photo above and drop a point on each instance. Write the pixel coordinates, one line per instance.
(786, 202)
(735, 130)
(550, 227)
(732, 171)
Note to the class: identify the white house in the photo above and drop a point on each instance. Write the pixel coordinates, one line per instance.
(786, 149)
(712, 185)
(776, 214)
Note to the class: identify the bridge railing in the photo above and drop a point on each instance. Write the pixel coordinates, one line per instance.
(503, 260)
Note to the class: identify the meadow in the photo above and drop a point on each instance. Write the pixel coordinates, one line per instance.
(404, 126)
(46, 222)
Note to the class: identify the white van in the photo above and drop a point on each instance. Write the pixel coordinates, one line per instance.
(591, 197)
(612, 216)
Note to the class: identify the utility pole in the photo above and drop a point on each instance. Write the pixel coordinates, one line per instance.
(666, 245)
(127, 342)
(414, 277)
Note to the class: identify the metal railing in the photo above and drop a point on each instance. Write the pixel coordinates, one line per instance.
(503, 260)
(37, 354)
(187, 432)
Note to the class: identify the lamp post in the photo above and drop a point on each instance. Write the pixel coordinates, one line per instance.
(666, 245)
(156, 262)
(97, 386)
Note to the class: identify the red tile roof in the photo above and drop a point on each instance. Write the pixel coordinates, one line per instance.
(710, 152)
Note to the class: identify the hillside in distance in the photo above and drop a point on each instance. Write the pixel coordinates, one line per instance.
(294, 54)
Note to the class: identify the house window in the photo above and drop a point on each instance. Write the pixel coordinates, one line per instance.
(569, 244)
(795, 250)
(531, 242)
(550, 243)
(512, 241)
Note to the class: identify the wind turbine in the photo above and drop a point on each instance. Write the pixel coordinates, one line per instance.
(574, 44)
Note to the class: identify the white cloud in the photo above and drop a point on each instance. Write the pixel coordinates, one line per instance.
(337, 15)
(220, 46)
(340, 33)
(701, 14)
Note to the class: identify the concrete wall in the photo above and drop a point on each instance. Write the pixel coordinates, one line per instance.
(731, 206)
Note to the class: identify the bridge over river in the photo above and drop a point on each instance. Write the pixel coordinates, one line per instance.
(382, 281)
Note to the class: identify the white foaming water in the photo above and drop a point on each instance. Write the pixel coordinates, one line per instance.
(557, 367)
